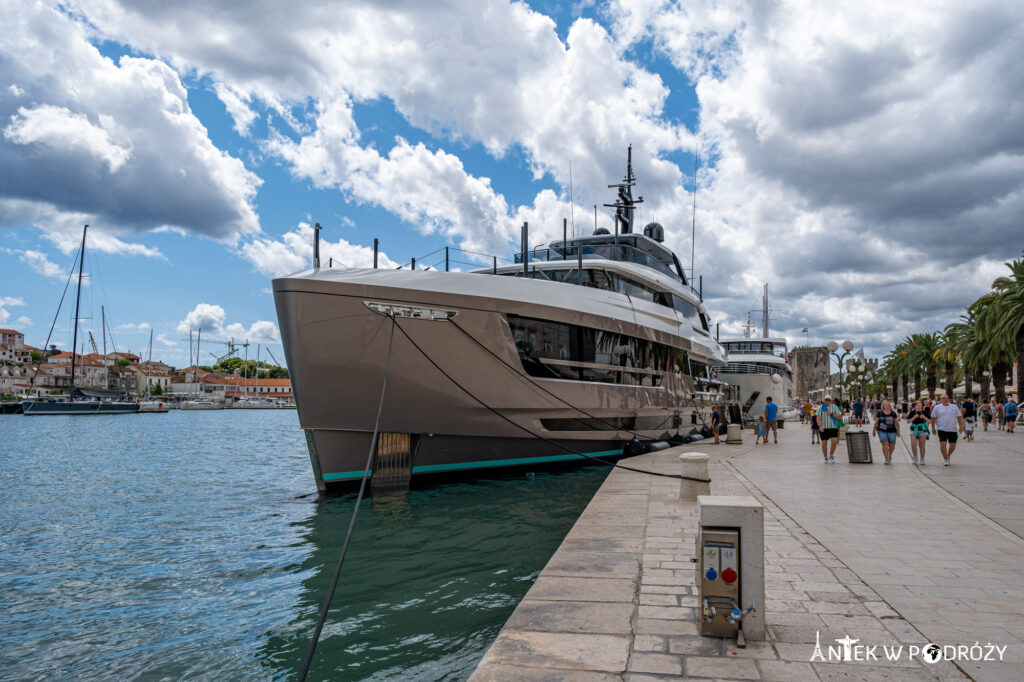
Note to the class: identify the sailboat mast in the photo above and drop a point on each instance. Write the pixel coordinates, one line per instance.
(106, 367)
(149, 361)
(78, 302)
(764, 313)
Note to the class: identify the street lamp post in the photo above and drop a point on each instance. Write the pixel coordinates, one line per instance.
(856, 370)
(833, 349)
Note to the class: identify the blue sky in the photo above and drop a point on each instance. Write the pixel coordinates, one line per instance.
(845, 166)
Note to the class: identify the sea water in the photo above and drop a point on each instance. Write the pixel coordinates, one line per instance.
(192, 545)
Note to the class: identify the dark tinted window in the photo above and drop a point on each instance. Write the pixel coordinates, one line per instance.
(538, 340)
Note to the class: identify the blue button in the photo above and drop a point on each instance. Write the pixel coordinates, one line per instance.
(711, 574)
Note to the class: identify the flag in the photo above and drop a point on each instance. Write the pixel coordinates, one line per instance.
(804, 330)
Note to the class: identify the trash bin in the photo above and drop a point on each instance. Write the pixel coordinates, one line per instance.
(858, 447)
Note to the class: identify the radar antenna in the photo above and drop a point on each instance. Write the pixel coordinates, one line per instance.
(625, 204)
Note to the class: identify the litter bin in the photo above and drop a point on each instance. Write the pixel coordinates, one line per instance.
(858, 447)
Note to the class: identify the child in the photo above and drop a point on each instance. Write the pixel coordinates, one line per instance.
(969, 429)
(762, 431)
(815, 435)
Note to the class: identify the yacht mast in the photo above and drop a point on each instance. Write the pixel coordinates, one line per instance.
(764, 313)
(78, 302)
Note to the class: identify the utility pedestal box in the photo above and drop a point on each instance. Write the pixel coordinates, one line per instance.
(730, 567)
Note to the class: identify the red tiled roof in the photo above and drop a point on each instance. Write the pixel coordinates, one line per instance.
(9, 331)
(62, 354)
(275, 382)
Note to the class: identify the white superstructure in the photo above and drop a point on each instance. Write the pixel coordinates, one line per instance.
(759, 367)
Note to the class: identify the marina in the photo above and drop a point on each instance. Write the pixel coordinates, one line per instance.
(432, 341)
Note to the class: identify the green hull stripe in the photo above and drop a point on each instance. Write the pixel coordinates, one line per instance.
(455, 466)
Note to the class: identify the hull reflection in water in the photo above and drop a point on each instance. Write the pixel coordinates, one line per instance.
(431, 576)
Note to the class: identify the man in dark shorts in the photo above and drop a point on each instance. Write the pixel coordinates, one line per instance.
(771, 416)
(947, 422)
(968, 408)
(828, 427)
(858, 412)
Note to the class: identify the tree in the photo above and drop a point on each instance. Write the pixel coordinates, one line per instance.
(948, 355)
(123, 362)
(37, 357)
(993, 349)
(1010, 324)
(923, 349)
(156, 389)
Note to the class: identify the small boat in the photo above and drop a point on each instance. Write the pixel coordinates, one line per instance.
(202, 405)
(255, 404)
(152, 406)
(83, 401)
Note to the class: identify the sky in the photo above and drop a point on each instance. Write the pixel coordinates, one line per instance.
(865, 160)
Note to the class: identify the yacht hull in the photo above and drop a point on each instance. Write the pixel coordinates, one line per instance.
(43, 408)
(763, 386)
(457, 387)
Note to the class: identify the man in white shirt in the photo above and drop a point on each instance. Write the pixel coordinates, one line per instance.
(947, 421)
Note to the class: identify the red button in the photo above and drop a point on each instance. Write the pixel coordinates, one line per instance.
(729, 576)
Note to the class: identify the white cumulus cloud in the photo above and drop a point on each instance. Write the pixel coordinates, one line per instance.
(212, 321)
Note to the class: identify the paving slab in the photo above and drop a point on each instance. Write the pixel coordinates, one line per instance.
(886, 555)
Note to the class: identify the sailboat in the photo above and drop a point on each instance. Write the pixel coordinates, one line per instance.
(149, 404)
(82, 400)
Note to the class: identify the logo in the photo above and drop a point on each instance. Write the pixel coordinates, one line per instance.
(848, 650)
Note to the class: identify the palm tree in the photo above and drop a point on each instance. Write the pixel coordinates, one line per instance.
(947, 354)
(923, 350)
(1010, 290)
(903, 363)
(962, 335)
(993, 348)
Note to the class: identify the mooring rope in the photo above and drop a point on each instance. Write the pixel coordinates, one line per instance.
(355, 511)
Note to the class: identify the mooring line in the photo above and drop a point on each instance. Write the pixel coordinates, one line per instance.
(355, 511)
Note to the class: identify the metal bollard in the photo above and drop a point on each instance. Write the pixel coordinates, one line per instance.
(694, 465)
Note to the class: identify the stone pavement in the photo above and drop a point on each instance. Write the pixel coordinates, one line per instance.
(883, 554)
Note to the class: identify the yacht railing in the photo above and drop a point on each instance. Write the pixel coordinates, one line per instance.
(749, 368)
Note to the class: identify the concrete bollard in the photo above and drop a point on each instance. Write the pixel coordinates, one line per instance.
(734, 434)
(694, 465)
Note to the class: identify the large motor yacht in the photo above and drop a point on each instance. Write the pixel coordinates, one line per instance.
(572, 350)
(759, 367)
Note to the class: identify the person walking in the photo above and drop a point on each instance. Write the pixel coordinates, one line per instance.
(1010, 410)
(828, 425)
(858, 412)
(771, 414)
(918, 417)
(968, 408)
(948, 423)
(887, 427)
(716, 422)
(1000, 416)
(815, 433)
(985, 410)
(762, 432)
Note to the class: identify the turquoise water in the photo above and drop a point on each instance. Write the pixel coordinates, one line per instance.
(180, 546)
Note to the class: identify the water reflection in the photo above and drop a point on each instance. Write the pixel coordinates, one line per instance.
(174, 546)
(431, 574)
